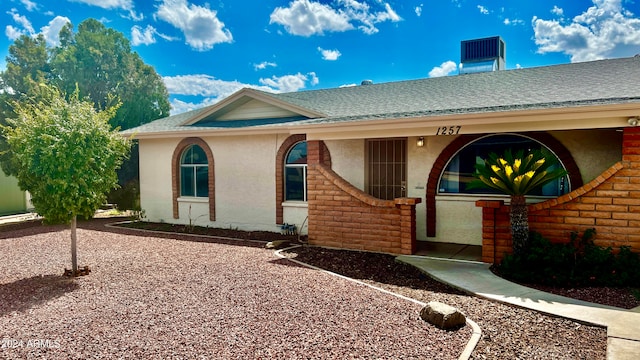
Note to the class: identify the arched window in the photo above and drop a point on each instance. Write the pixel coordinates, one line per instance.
(459, 171)
(194, 172)
(295, 173)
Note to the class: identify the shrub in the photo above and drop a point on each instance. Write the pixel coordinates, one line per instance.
(577, 263)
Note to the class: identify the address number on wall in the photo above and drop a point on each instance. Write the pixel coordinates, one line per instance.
(448, 130)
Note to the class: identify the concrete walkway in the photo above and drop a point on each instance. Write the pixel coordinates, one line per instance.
(623, 326)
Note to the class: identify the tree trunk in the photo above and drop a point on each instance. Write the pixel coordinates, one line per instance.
(74, 253)
(519, 224)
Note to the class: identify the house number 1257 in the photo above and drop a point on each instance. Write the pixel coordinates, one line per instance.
(448, 130)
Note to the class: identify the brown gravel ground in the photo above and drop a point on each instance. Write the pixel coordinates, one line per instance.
(619, 297)
(155, 296)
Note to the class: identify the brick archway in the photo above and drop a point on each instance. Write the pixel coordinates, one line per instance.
(175, 174)
(460, 142)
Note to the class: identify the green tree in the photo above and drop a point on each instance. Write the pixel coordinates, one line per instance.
(99, 63)
(517, 176)
(66, 155)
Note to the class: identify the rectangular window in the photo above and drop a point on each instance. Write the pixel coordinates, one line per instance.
(386, 176)
(187, 181)
(202, 181)
(295, 183)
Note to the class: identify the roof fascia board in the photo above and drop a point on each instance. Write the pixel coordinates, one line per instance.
(605, 116)
(242, 95)
(200, 132)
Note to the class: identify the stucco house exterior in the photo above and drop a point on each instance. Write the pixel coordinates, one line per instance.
(379, 167)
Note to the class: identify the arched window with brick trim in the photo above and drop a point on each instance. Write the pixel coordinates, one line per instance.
(447, 156)
(193, 174)
(459, 171)
(281, 158)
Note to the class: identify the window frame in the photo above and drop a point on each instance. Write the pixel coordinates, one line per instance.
(565, 186)
(302, 167)
(175, 177)
(196, 177)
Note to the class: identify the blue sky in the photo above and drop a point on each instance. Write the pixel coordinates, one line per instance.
(206, 50)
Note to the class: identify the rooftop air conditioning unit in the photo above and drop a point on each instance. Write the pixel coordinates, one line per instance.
(480, 55)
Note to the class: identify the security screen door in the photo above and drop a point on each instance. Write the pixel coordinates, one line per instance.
(386, 173)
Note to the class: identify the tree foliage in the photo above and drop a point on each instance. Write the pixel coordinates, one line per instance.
(99, 63)
(517, 176)
(66, 154)
(94, 63)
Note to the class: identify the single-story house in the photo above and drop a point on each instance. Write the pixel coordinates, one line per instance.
(380, 167)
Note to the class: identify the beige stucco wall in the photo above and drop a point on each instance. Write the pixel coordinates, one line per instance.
(593, 150)
(347, 160)
(244, 182)
(155, 178)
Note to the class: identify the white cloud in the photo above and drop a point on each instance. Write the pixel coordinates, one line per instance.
(29, 5)
(108, 4)
(178, 106)
(144, 36)
(23, 22)
(12, 32)
(289, 83)
(418, 10)
(329, 55)
(51, 31)
(314, 78)
(604, 30)
(213, 90)
(114, 4)
(513, 22)
(263, 65)
(306, 17)
(557, 11)
(446, 68)
(202, 85)
(200, 25)
(483, 10)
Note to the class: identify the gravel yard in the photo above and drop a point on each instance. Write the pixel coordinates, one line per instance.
(159, 297)
(507, 332)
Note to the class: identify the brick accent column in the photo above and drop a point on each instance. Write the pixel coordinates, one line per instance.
(496, 230)
(407, 206)
(631, 146)
(342, 216)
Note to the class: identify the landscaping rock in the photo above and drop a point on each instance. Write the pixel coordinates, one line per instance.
(442, 315)
(277, 244)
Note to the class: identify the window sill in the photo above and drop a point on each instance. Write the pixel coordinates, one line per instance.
(190, 199)
(295, 204)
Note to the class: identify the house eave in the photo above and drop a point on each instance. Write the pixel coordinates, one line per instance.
(204, 132)
(582, 117)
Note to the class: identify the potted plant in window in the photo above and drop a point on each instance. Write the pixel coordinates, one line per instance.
(517, 176)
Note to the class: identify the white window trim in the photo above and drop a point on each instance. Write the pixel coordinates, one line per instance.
(193, 199)
(295, 204)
